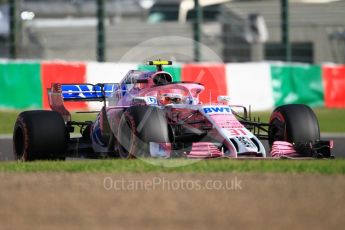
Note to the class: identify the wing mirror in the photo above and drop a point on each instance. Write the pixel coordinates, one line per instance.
(223, 99)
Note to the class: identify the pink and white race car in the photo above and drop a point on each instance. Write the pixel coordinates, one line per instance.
(149, 115)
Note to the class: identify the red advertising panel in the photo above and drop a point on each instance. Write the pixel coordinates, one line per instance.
(212, 76)
(334, 84)
(63, 72)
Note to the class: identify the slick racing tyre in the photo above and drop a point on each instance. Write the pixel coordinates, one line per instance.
(138, 126)
(295, 123)
(39, 135)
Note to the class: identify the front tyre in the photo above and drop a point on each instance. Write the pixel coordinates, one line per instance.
(39, 135)
(140, 125)
(129, 144)
(296, 124)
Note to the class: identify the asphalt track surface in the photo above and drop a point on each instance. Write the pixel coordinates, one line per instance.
(6, 151)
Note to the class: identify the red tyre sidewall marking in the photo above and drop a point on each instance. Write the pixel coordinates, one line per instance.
(23, 126)
(280, 117)
(128, 117)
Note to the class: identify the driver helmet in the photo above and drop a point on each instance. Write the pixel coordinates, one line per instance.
(171, 98)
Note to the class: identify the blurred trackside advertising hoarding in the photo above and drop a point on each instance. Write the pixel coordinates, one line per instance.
(23, 85)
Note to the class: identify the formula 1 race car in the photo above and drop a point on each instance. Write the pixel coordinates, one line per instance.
(149, 115)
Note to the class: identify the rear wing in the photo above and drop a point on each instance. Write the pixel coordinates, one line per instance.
(85, 92)
(59, 93)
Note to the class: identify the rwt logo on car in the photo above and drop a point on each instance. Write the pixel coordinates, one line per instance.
(216, 109)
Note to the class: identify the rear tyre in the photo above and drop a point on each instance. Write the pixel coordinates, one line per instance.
(39, 135)
(295, 123)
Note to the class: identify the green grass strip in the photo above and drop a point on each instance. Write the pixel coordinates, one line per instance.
(138, 166)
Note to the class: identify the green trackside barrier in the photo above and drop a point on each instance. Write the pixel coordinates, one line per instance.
(297, 84)
(20, 85)
(175, 70)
